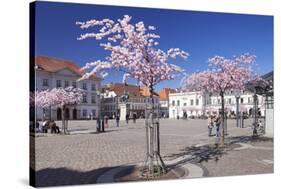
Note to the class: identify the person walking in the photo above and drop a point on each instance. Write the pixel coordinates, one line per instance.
(102, 124)
(117, 120)
(127, 118)
(218, 123)
(134, 117)
(210, 125)
(106, 121)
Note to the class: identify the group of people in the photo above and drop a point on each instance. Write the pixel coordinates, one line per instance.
(44, 126)
(134, 116)
(103, 123)
(214, 121)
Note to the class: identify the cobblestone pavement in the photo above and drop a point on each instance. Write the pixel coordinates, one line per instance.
(83, 155)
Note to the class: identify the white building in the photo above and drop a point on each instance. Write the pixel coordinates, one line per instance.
(189, 103)
(112, 103)
(164, 101)
(245, 103)
(53, 73)
(196, 103)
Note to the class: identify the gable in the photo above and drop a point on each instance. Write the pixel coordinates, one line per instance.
(67, 72)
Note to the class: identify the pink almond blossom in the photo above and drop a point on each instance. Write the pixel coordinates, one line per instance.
(133, 50)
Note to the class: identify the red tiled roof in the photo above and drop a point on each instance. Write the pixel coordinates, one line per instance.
(119, 89)
(145, 91)
(164, 93)
(132, 90)
(54, 65)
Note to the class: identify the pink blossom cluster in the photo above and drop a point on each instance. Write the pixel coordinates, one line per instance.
(223, 74)
(133, 50)
(57, 97)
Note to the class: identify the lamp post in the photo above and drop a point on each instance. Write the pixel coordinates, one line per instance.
(99, 103)
(255, 133)
(237, 96)
(116, 109)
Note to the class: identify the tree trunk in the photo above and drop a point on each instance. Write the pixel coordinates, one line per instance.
(156, 165)
(151, 133)
(50, 113)
(63, 120)
(222, 118)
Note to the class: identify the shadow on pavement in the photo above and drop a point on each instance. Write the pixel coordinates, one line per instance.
(204, 153)
(247, 139)
(199, 154)
(94, 132)
(64, 176)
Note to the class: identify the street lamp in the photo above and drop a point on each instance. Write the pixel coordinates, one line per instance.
(99, 103)
(255, 133)
(237, 96)
(258, 90)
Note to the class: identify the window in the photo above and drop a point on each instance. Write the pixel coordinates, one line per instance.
(84, 99)
(178, 103)
(173, 103)
(93, 87)
(184, 104)
(242, 100)
(93, 112)
(229, 101)
(219, 101)
(84, 86)
(45, 82)
(58, 84)
(84, 113)
(191, 102)
(269, 102)
(66, 84)
(197, 102)
(93, 98)
(74, 84)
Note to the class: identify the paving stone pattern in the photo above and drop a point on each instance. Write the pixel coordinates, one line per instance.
(84, 154)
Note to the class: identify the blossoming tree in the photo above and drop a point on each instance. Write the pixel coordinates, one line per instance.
(58, 97)
(223, 74)
(133, 50)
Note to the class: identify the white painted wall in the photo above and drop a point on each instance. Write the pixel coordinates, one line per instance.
(68, 75)
(269, 123)
(209, 103)
(187, 103)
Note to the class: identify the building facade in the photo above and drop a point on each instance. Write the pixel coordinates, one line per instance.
(121, 99)
(164, 101)
(186, 103)
(54, 73)
(197, 104)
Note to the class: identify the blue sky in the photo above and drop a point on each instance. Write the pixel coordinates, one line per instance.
(202, 34)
